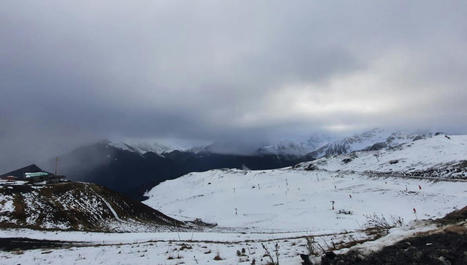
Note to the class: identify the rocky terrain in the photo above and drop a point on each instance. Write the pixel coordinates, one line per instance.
(443, 245)
(76, 206)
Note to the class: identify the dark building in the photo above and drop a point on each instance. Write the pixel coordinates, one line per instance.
(31, 174)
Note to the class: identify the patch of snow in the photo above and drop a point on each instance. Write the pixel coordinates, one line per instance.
(114, 213)
(395, 235)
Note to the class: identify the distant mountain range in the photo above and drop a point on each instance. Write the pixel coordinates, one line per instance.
(132, 167)
(133, 170)
(321, 145)
(297, 148)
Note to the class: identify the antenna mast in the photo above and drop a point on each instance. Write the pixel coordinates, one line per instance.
(56, 166)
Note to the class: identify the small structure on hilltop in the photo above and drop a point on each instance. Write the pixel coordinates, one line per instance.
(31, 174)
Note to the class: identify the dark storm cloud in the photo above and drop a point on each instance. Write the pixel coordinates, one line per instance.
(74, 71)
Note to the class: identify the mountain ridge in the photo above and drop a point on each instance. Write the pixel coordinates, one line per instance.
(132, 172)
(77, 206)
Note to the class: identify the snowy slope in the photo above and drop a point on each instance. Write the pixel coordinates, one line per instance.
(435, 152)
(289, 199)
(373, 139)
(298, 199)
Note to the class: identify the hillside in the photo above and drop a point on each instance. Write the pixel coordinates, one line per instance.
(76, 206)
(323, 197)
(440, 156)
(375, 139)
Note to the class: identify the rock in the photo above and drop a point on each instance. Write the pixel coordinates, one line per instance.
(311, 167)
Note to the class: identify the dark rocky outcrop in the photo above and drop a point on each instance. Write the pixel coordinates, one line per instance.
(444, 246)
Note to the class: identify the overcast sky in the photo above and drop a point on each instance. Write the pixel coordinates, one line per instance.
(74, 71)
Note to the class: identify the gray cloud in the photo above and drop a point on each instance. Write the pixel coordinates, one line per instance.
(71, 72)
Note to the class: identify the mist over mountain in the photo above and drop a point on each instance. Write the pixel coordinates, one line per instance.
(134, 166)
(132, 172)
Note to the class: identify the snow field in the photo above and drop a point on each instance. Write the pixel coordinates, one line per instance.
(297, 200)
(242, 250)
(417, 155)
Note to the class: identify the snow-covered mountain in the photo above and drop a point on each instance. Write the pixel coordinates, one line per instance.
(443, 155)
(329, 194)
(320, 145)
(297, 148)
(374, 139)
(128, 170)
(142, 146)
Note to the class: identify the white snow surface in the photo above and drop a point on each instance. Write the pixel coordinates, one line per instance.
(367, 140)
(294, 199)
(166, 252)
(298, 200)
(166, 247)
(416, 155)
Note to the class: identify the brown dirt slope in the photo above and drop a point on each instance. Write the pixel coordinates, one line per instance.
(77, 206)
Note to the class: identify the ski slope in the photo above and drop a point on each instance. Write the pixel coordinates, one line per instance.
(294, 199)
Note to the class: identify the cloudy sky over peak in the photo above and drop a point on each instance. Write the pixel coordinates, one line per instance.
(73, 71)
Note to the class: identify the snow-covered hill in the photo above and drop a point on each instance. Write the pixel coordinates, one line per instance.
(442, 155)
(374, 140)
(303, 197)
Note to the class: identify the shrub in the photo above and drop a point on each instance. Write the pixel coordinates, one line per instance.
(380, 222)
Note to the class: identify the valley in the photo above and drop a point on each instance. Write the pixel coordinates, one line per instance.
(239, 216)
